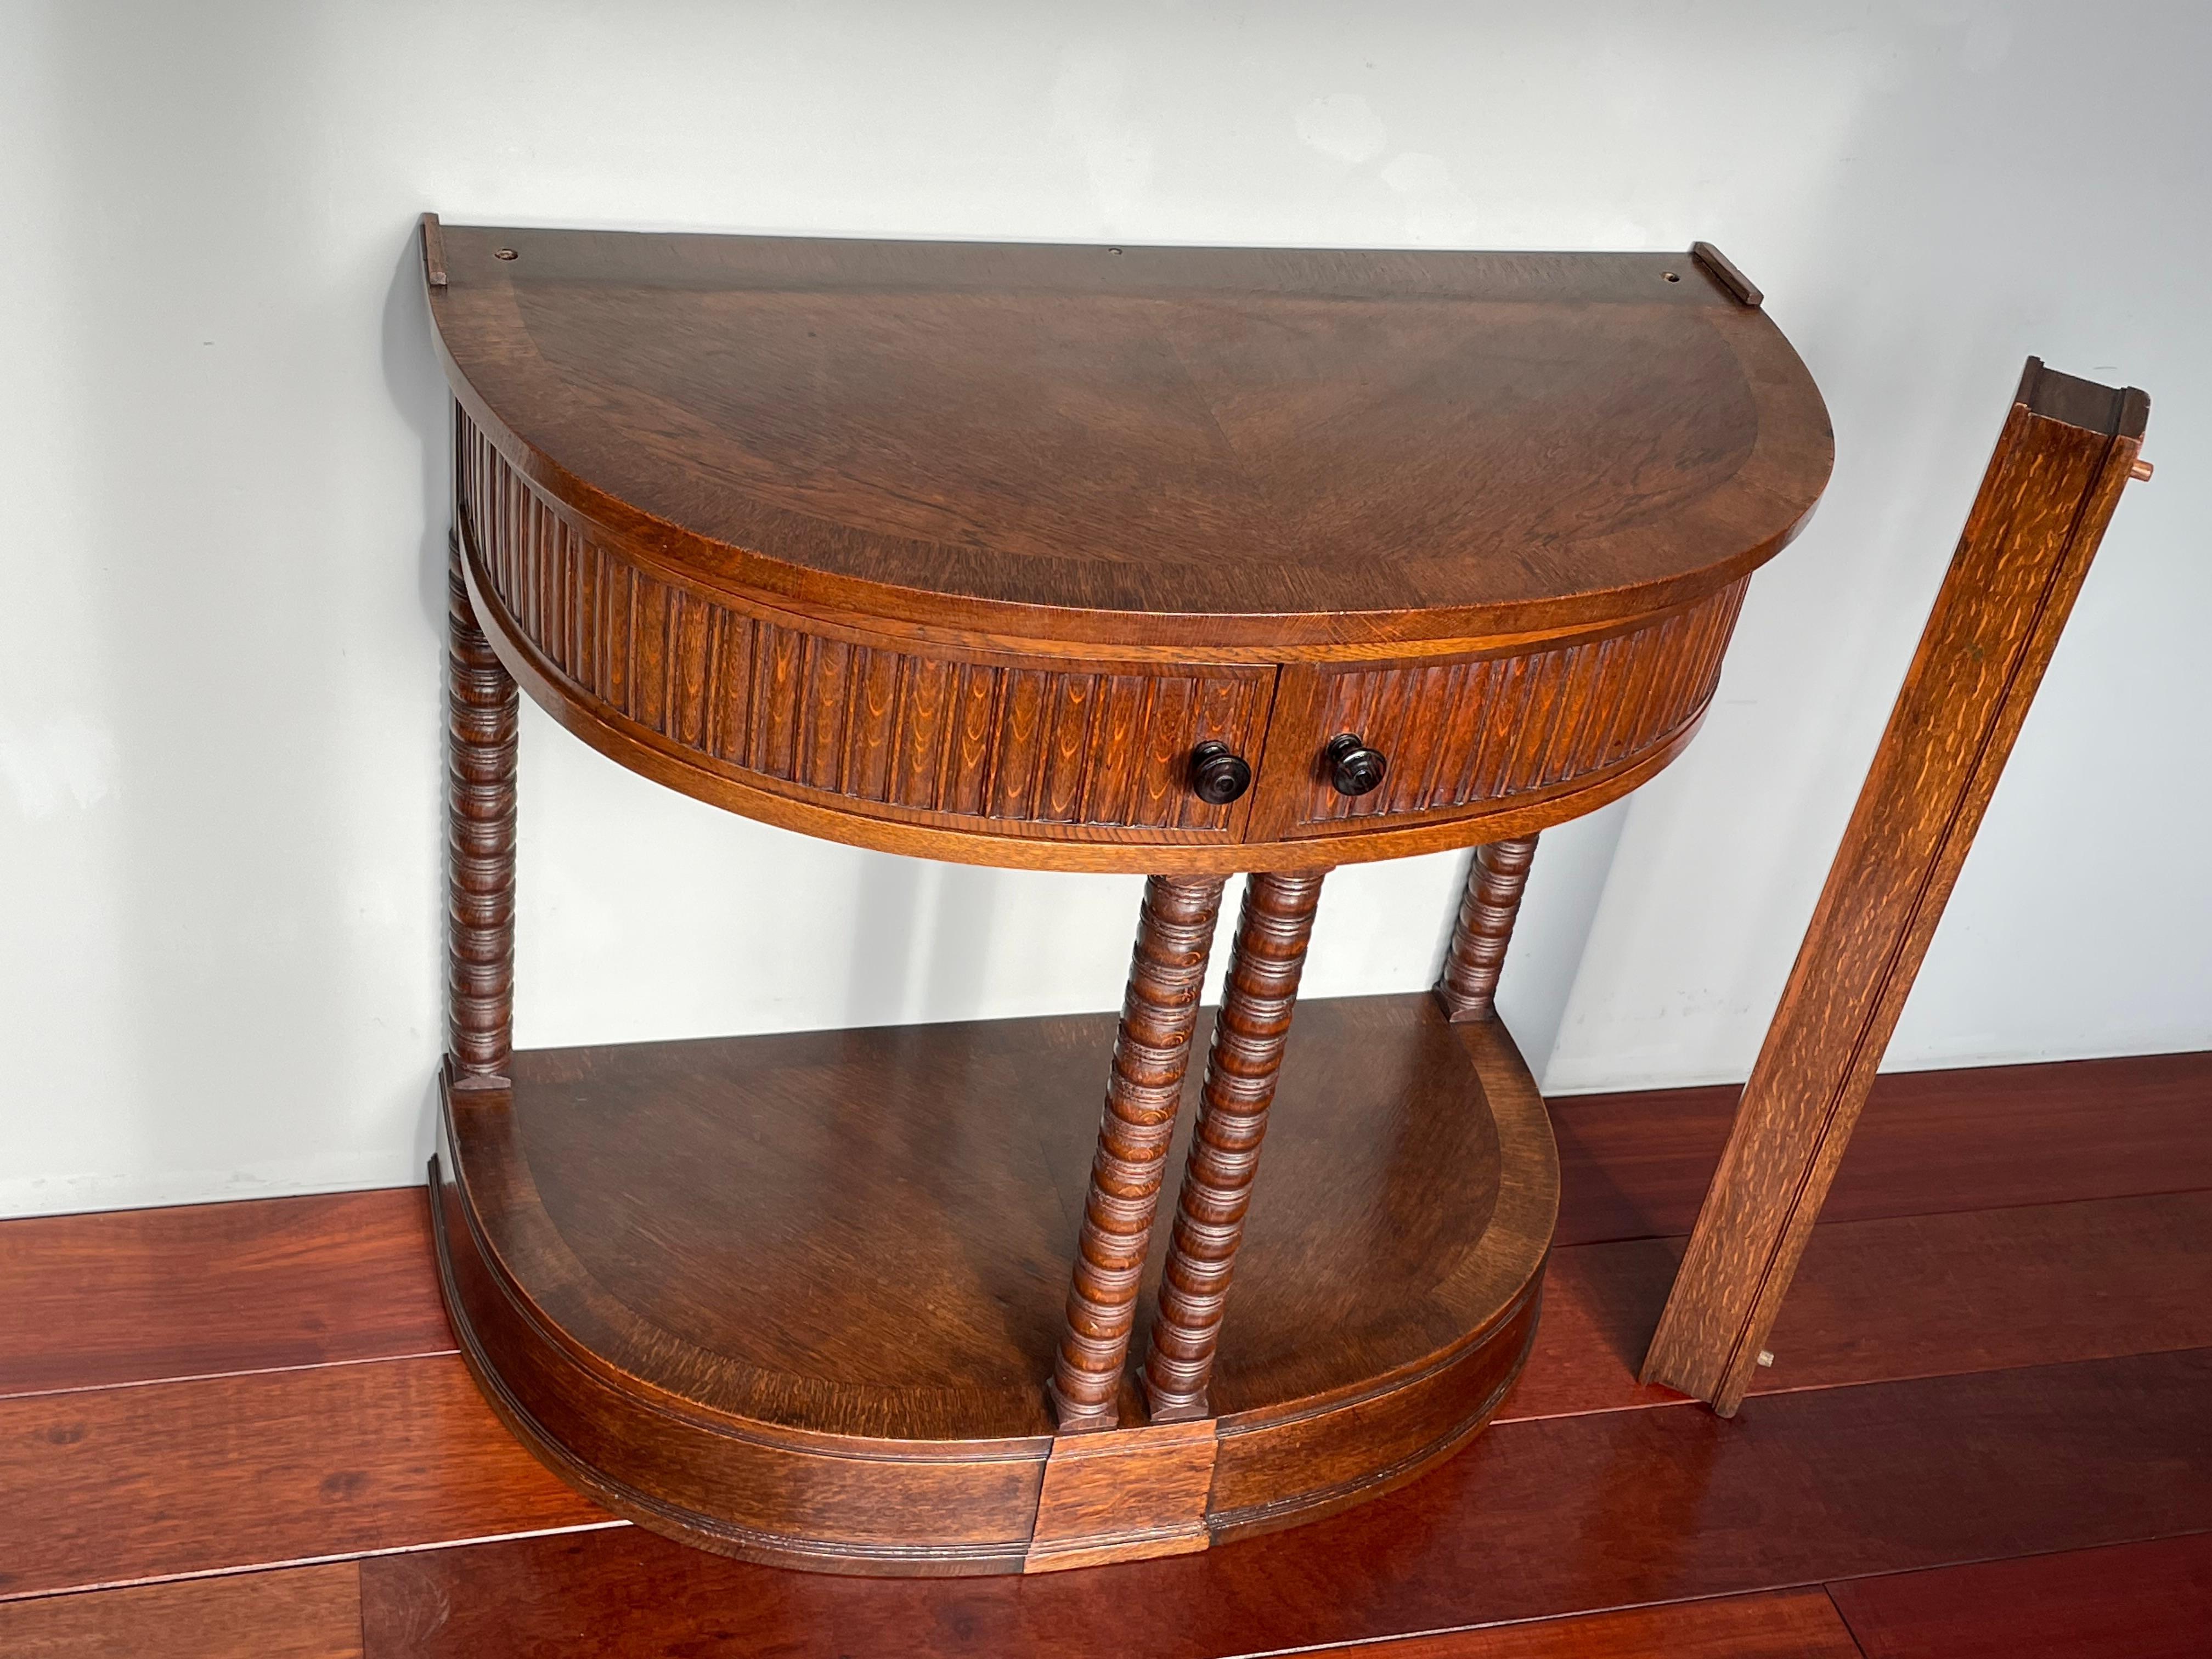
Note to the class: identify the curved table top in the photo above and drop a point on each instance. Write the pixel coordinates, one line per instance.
(1170, 446)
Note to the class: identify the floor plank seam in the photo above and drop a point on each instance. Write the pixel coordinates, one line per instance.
(227, 1376)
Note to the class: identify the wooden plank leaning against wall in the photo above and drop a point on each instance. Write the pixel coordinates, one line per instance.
(2068, 449)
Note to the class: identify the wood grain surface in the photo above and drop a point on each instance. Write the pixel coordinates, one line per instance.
(1176, 445)
(1488, 905)
(1144, 1098)
(2062, 459)
(2147, 1601)
(1781, 1625)
(964, 552)
(1534, 1520)
(1251, 1034)
(140, 1296)
(304, 1612)
(1905, 1297)
(670, 1269)
(2053, 1269)
(1637, 1165)
(118, 1485)
(482, 710)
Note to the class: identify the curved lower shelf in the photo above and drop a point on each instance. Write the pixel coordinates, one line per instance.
(795, 1297)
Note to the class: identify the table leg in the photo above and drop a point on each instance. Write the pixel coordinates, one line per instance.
(1469, 986)
(480, 754)
(1254, 1024)
(1152, 1053)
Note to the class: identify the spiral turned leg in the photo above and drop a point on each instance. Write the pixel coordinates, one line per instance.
(481, 712)
(1468, 989)
(1224, 1153)
(1152, 1053)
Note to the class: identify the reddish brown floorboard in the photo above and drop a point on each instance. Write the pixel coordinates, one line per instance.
(205, 1289)
(121, 1486)
(1637, 1165)
(2132, 1601)
(308, 1613)
(121, 1483)
(1786, 1625)
(1905, 1296)
(1536, 1519)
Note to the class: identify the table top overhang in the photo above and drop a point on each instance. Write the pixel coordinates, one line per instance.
(1237, 447)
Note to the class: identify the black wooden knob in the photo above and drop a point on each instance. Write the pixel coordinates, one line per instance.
(1218, 773)
(1353, 768)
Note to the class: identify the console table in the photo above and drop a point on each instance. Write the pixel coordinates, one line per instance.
(1183, 562)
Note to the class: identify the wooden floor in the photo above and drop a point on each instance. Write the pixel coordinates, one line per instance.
(242, 1428)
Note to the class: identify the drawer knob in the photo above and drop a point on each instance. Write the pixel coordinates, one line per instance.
(1353, 768)
(1218, 775)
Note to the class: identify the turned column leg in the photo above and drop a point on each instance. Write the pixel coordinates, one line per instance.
(1152, 1053)
(480, 750)
(1249, 1036)
(1469, 986)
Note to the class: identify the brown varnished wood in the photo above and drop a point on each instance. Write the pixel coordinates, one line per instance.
(1125, 1497)
(1880, 1300)
(2064, 456)
(1151, 1055)
(1635, 1165)
(2147, 1601)
(865, 603)
(1035, 844)
(1484, 927)
(1780, 1625)
(304, 1612)
(1461, 734)
(1574, 1514)
(1187, 446)
(973, 552)
(1249, 1035)
(2076, 1278)
(996, 755)
(481, 715)
(670, 1269)
(124, 1484)
(142, 1296)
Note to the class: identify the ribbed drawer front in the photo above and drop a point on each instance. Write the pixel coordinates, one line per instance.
(996, 741)
(1467, 733)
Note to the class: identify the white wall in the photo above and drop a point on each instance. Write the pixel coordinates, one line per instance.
(223, 524)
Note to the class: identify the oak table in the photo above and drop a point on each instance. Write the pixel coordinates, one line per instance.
(1181, 562)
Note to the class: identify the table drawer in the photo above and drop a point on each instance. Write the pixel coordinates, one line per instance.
(990, 742)
(1461, 735)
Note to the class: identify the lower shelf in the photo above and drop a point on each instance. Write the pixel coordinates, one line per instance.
(795, 1297)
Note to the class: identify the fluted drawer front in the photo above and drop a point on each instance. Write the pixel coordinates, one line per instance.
(1001, 741)
(1461, 735)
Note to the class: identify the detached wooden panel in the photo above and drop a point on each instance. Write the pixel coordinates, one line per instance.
(139, 1296)
(2065, 454)
(1787, 1625)
(2141, 1600)
(306, 1613)
(118, 1485)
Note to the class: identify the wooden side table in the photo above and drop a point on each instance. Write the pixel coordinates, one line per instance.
(1185, 562)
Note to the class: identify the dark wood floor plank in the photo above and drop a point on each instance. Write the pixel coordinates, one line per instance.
(2150, 1600)
(135, 1296)
(1537, 1519)
(1637, 1165)
(1910, 1296)
(1786, 1625)
(304, 1613)
(118, 1485)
